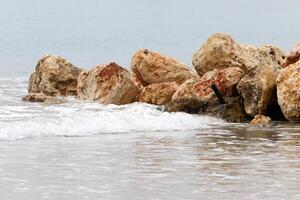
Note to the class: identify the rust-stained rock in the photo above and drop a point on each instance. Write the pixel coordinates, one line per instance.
(288, 91)
(221, 51)
(54, 76)
(158, 93)
(257, 88)
(110, 84)
(292, 57)
(151, 67)
(260, 120)
(194, 92)
(39, 97)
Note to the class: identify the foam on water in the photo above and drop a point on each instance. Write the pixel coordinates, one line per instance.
(20, 120)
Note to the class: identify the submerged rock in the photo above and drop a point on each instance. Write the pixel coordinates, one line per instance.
(292, 57)
(260, 120)
(288, 91)
(39, 97)
(151, 67)
(221, 51)
(257, 88)
(158, 93)
(232, 111)
(110, 84)
(54, 76)
(193, 93)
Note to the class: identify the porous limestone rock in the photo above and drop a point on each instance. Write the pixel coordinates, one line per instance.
(39, 97)
(158, 93)
(151, 67)
(257, 88)
(288, 91)
(194, 92)
(54, 76)
(292, 57)
(221, 51)
(260, 120)
(110, 84)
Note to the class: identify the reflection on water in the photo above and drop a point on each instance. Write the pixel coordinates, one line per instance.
(228, 162)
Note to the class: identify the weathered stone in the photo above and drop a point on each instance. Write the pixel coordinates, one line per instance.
(232, 111)
(292, 57)
(193, 93)
(54, 76)
(260, 120)
(151, 67)
(110, 84)
(221, 51)
(257, 88)
(39, 97)
(288, 91)
(158, 93)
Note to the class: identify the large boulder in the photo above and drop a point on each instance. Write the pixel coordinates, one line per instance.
(292, 57)
(54, 76)
(151, 67)
(109, 84)
(158, 93)
(191, 95)
(288, 92)
(221, 51)
(257, 88)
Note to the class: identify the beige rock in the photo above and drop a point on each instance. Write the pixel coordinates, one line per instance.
(151, 67)
(260, 120)
(288, 91)
(54, 76)
(194, 92)
(292, 57)
(221, 51)
(257, 88)
(110, 84)
(39, 97)
(158, 93)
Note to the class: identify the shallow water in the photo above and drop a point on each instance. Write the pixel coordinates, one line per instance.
(90, 151)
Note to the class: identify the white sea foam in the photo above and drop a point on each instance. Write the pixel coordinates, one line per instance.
(20, 120)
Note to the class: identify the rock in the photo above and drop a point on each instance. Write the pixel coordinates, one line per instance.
(138, 83)
(39, 97)
(158, 93)
(54, 76)
(221, 51)
(292, 57)
(193, 93)
(288, 92)
(260, 120)
(151, 67)
(110, 84)
(257, 88)
(232, 111)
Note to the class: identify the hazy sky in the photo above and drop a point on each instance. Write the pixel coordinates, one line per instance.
(91, 32)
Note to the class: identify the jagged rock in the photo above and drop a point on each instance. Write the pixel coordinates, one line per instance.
(221, 51)
(138, 84)
(288, 92)
(151, 67)
(292, 57)
(232, 111)
(110, 84)
(54, 76)
(39, 97)
(257, 88)
(158, 93)
(193, 93)
(260, 120)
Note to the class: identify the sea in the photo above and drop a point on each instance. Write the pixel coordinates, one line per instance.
(86, 150)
